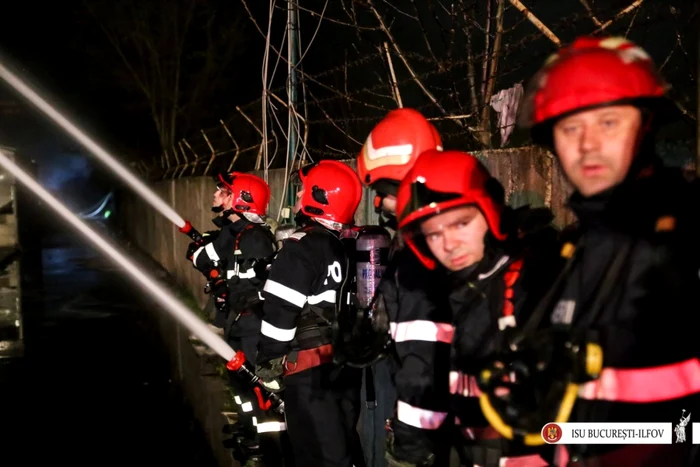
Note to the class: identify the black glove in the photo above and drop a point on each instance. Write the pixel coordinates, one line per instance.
(392, 460)
(270, 374)
(262, 269)
(219, 291)
(191, 248)
(207, 237)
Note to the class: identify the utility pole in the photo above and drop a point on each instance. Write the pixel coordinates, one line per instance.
(292, 82)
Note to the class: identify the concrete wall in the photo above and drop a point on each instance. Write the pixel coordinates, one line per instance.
(529, 176)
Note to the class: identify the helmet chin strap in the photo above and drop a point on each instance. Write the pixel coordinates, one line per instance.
(223, 218)
(388, 220)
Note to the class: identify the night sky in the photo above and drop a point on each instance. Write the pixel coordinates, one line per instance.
(61, 49)
(41, 39)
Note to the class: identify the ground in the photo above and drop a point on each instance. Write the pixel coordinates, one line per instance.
(94, 387)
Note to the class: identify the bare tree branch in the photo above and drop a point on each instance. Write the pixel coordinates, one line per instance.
(536, 22)
(487, 53)
(485, 136)
(619, 15)
(159, 45)
(471, 71)
(408, 66)
(590, 12)
(333, 121)
(394, 85)
(336, 21)
(390, 4)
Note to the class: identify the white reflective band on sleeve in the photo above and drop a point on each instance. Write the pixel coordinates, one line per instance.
(271, 427)
(212, 252)
(278, 334)
(249, 274)
(255, 421)
(327, 296)
(247, 407)
(419, 418)
(463, 385)
(422, 330)
(196, 254)
(285, 293)
(238, 400)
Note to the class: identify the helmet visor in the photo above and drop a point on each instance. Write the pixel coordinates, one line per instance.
(425, 199)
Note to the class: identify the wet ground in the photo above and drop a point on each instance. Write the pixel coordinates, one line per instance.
(94, 386)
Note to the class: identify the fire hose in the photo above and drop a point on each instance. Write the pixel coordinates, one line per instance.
(176, 309)
(266, 399)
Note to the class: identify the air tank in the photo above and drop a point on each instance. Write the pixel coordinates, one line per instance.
(372, 257)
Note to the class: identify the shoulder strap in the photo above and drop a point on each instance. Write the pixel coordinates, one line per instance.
(479, 288)
(240, 234)
(252, 226)
(609, 281)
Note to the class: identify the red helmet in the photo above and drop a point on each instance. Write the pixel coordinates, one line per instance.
(393, 146)
(590, 73)
(332, 191)
(440, 181)
(250, 193)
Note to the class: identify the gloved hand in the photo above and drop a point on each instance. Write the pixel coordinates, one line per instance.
(219, 290)
(262, 269)
(270, 374)
(191, 248)
(392, 460)
(207, 237)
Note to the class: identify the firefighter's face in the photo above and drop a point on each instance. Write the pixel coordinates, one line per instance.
(596, 147)
(389, 203)
(222, 197)
(297, 205)
(456, 237)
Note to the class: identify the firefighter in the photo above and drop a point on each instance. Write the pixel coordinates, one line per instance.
(409, 293)
(300, 300)
(629, 290)
(229, 263)
(389, 152)
(495, 260)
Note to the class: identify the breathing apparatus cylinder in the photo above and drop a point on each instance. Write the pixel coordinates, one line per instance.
(372, 258)
(359, 334)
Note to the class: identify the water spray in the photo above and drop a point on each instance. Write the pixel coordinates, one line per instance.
(236, 360)
(110, 161)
